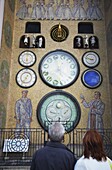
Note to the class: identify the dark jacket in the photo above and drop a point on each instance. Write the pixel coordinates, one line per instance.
(54, 156)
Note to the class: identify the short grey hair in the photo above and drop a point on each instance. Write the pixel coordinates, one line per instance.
(56, 132)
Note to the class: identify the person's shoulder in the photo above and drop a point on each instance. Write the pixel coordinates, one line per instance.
(18, 101)
(80, 163)
(80, 160)
(109, 160)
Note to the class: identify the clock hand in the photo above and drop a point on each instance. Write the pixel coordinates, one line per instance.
(66, 112)
(52, 112)
(89, 58)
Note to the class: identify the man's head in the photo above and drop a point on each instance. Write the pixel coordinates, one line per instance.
(24, 93)
(56, 132)
(97, 94)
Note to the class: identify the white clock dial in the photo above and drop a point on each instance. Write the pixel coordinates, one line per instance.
(26, 78)
(27, 58)
(59, 69)
(91, 59)
(58, 110)
(59, 106)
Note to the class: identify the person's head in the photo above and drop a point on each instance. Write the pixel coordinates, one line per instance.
(93, 145)
(56, 132)
(97, 94)
(24, 93)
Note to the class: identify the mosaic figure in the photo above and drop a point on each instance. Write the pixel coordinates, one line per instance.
(68, 12)
(23, 11)
(97, 107)
(89, 9)
(78, 10)
(86, 41)
(23, 114)
(97, 13)
(75, 10)
(43, 10)
(60, 10)
(4, 74)
(50, 14)
(36, 10)
(82, 12)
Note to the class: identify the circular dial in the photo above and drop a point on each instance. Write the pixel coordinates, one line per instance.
(59, 69)
(26, 78)
(27, 58)
(59, 33)
(90, 59)
(91, 78)
(58, 106)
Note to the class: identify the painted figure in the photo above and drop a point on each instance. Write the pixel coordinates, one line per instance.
(26, 40)
(33, 41)
(40, 43)
(23, 114)
(86, 41)
(60, 10)
(36, 10)
(78, 10)
(78, 43)
(43, 10)
(68, 11)
(89, 9)
(33, 13)
(97, 13)
(97, 107)
(50, 14)
(23, 10)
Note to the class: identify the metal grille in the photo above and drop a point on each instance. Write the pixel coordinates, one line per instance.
(38, 139)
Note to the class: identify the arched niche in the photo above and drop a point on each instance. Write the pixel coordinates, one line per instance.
(78, 42)
(24, 41)
(93, 42)
(40, 42)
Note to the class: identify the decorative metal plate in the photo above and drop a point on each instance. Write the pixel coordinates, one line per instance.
(16, 143)
(59, 106)
(92, 78)
(59, 37)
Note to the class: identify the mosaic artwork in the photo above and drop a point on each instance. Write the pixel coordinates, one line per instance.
(4, 74)
(96, 110)
(12, 5)
(60, 10)
(23, 114)
(2, 115)
(8, 34)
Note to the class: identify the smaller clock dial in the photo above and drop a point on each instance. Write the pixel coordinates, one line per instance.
(59, 69)
(92, 78)
(26, 78)
(27, 58)
(91, 59)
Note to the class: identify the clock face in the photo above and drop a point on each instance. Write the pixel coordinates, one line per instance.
(26, 78)
(58, 106)
(27, 58)
(91, 78)
(91, 59)
(59, 69)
